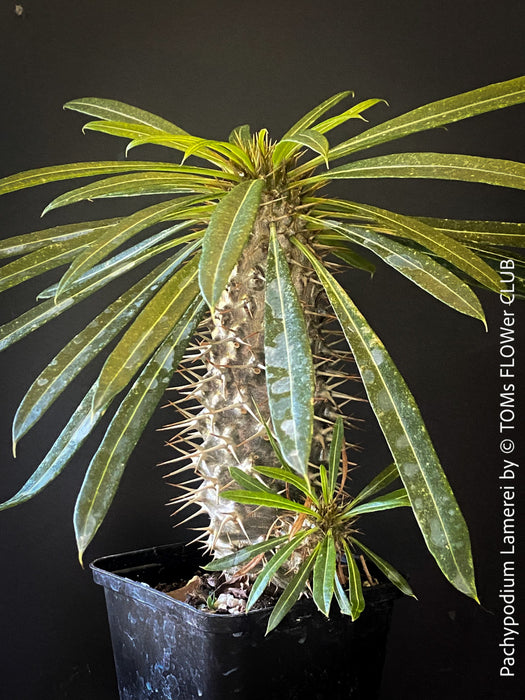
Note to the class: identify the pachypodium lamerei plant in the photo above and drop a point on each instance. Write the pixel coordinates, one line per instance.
(244, 304)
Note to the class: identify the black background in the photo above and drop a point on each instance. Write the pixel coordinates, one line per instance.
(209, 66)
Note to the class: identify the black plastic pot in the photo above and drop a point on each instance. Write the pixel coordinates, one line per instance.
(167, 649)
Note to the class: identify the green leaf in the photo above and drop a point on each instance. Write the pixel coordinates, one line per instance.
(341, 249)
(354, 112)
(490, 232)
(29, 242)
(387, 569)
(324, 483)
(355, 589)
(70, 439)
(268, 500)
(340, 596)
(138, 184)
(273, 566)
(288, 361)
(395, 499)
(70, 171)
(40, 261)
(88, 343)
(291, 594)
(378, 483)
(107, 466)
(248, 482)
(323, 576)
(430, 116)
(310, 138)
(288, 477)
(119, 111)
(334, 458)
(421, 269)
(431, 497)
(435, 166)
(282, 152)
(445, 247)
(229, 228)
(115, 236)
(241, 136)
(147, 332)
(245, 554)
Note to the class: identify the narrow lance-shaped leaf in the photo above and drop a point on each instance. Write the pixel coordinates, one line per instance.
(310, 138)
(288, 361)
(247, 481)
(229, 228)
(113, 238)
(341, 597)
(138, 184)
(28, 242)
(387, 569)
(486, 232)
(273, 566)
(148, 331)
(291, 594)
(395, 499)
(434, 166)
(288, 477)
(433, 115)
(431, 497)
(245, 554)
(437, 242)
(268, 500)
(324, 572)
(106, 467)
(70, 439)
(334, 457)
(120, 111)
(355, 589)
(421, 269)
(378, 483)
(355, 112)
(70, 171)
(88, 343)
(281, 152)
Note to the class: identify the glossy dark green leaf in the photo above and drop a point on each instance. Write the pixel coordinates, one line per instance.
(340, 247)
(355, 588)
(387, 569)
(418, 267)
(267, 500)
(138, 184)
(112, 238)
(395, 499)
(323, 476)
(148, 331)
(247, 481)
(434, 166)
(70, 439)
(432, 500)
(323, 576)
(229, 228)
(432, 115)
(341, 597)
(29, 242)
(288, 361)
(291, 594)
(273, 566)
(70, 171)
(245, 554)
(378, 483)
(119, 111)
(445, 247)
(107, 466)
(288, 477)
(334, 457)
(88, 343)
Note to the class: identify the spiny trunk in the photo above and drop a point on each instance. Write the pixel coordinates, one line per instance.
(226, 389)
